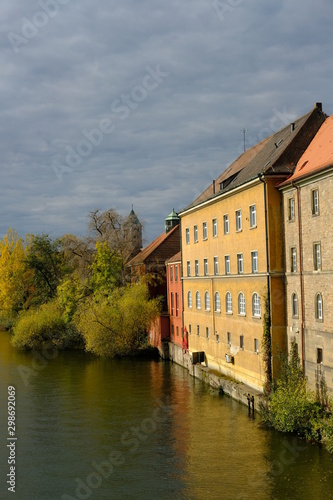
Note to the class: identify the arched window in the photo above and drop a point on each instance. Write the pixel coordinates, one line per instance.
(197, 300)
(319, 306)
(228, 303)
(294, 305)
(207, 302)
(217, 302)
(189, 299)
(241, 303)
(256, 308)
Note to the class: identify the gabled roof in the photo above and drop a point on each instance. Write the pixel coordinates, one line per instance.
(159, 250)
(175, 258)
(318, 156)
(275, 155)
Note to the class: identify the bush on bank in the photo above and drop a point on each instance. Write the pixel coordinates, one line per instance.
(44, 326)
(292, 407)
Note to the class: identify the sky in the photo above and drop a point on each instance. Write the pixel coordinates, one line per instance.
(109, 104)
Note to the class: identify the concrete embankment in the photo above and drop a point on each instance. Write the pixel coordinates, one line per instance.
(237, 390)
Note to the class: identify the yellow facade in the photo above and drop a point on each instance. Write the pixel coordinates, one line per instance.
(217, 330)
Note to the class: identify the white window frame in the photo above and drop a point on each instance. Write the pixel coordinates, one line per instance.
(253, 216)
(317, 256)
(238, 216)
(294, 305)
(217, 302)
(188, 268)
(207, 301)
(204, 231)
(214, 224)
(254, 261)
(291, 209)
(226, 223)
(189, 299)
(240, 267)
(315, 201)
(228, 303)
(293, 260)
(196, 267)
(197, 300)
(241, 304)
(195, 233)
(319, 307)
(187, 235)
(256, 305)
(216, 266)
(227, 264)
(205, 267)
(171, 274)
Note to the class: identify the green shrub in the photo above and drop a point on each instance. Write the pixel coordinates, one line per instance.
(45, 325)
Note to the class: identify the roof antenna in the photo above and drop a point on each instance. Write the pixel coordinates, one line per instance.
(244, 130)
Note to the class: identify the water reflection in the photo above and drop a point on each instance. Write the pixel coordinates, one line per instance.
(176, 437)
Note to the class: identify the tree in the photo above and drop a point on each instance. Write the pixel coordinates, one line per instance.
(15, 279)
(116, 325)
(46, 260)
(107, 269)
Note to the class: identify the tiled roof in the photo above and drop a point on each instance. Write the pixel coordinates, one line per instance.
(175, 258)
(318, 155)
(159, 250)
(277, 154)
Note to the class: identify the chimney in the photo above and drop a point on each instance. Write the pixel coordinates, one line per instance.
(213, 187)
(319, 106)
(292, 127)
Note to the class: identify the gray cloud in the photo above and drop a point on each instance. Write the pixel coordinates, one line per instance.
(233, 65)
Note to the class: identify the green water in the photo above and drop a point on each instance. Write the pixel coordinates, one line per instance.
(125, 429)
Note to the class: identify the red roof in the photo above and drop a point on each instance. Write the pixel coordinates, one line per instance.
(159, 250)
(318, 155)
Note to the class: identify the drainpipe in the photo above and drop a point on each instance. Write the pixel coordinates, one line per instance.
(300, 251)
(262, 179)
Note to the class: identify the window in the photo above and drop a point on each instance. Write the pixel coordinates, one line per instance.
(204, 230)
(256, 345)
(226, 224)
(293, 260)
(240, 263)
(207, 301)
(241, 304)
(216, 266)
(319, 307)
(172, 303)
(217, 302)
(217, 338)
(187, 236)
(317, 257)
(228, 303)
(319, 355)
(207, 332)
(241, 342)
(198, 330)
(197, 300)
(196, 267)
(214, 228)
(238, 220)
(228, 338)
(188, 265)
(189, 299)
(171, 273)
(177, 331)
(195, 234)
(253, 216)
(176, 273)
(206, 267)
(254, 261)
(190, 329)
(256, 308)
(294, 305)
(177, 304)
(227, 264)
(291, 209)
(315, 202)
(172, 331)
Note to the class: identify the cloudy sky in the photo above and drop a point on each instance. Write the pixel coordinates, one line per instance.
(107, 103)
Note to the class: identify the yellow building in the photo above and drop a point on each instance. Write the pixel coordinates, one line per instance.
(233, 258)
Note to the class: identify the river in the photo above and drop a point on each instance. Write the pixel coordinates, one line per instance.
(138, 429)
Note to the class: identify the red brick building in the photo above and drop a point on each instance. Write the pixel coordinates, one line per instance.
(175, 301)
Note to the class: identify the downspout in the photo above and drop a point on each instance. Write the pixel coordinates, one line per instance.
(268, 308)
(300, 250)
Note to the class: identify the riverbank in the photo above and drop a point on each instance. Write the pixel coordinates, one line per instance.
(236, 390)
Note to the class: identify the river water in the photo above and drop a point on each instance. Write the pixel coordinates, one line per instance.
(139, 429)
